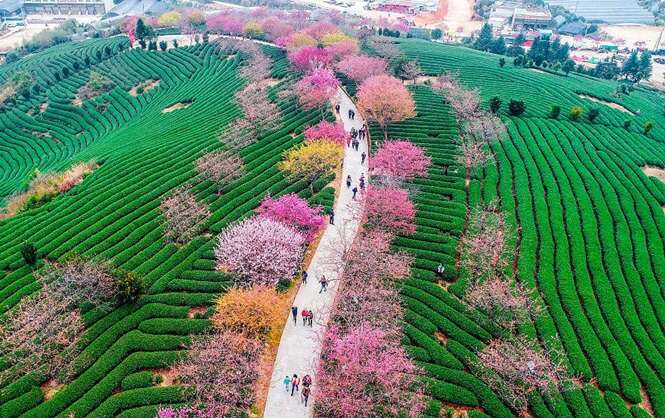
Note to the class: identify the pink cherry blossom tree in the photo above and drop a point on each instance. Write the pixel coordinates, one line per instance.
(384, 99)
(361, 67)
(259, 250)
(366, 370)
(310, 58)
(514, 368)
(183, 214)
(294, 211)
(390, 209)
(319, 29)
(484, 250)
(342, 49)
(81, 280)
(276, 28)
(317, 88)
(220, 167)
(401, 159)
(368, 292)
(225, 23)
(221, 369)
(40, 334)
(507, 304)
(325, 130)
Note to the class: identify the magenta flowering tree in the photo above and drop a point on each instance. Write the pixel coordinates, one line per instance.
(365, 371)
(309, 58)
(390, 209)
(276, 28)
(327, 130)
(260, 250)
(342, 49)
(294, 211)
(400, 159)
(361, 67)
(317, 88)
(319, 29)
(225, 23)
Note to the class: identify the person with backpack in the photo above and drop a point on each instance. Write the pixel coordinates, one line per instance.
(305, 395)
(304, 277)
(354, 190)
(307, 381)
(294, 312)
(311, 318)
(287, 382)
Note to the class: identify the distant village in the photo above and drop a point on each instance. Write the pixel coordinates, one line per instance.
(582, 24)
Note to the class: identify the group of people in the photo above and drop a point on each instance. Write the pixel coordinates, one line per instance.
(293, 383)
(361, 183)
(356, 137)
(307, 316)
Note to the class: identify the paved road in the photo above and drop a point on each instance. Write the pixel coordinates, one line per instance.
(300, 346)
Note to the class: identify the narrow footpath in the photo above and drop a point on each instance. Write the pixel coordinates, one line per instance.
(300, 347)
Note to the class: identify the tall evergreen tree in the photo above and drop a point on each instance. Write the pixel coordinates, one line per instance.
(498, 46)
(645, 67)
(484, 41)
(516, 49)
(631, 67)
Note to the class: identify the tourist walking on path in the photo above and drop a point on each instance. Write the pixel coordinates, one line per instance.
(307, 381)
(304, 277)
(310, 318)
(305, 315)
(362, 157)
(354, 190)
(324, 284)
(337, 108)
(287, 382)
(332, 216)
(295, 382)
(362, 182)
(348, 181)
(294, 312)
(305, 395)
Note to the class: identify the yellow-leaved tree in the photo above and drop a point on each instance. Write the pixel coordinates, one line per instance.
(254, 312)
(311, 160)
(169, 18)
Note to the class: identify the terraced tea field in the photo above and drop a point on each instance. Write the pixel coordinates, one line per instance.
(590, 229)
(143, 154)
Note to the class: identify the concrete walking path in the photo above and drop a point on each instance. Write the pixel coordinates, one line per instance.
(300, 346)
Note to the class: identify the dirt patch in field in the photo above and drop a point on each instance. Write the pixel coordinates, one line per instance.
(77, 102)
(646, 402)
(50, 388)
(146, 85)
(176, 106)
(441, 337)
(197, 310)
(43, 107)
(613, 105)
(656, 172)
(168, 376)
